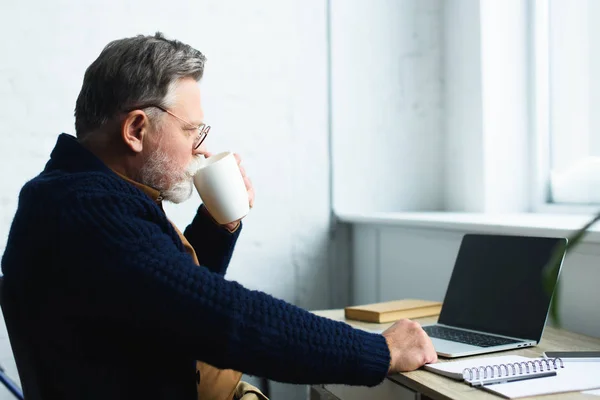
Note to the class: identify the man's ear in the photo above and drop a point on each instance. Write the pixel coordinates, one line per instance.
(133, 129)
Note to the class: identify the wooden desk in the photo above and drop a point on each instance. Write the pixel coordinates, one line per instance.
(424, 385)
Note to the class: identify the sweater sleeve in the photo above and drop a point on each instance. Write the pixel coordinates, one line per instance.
(139, 278)
(212, 243)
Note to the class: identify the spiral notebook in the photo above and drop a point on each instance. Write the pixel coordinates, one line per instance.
(535, 376)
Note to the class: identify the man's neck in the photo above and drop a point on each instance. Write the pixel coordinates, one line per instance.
(114, 155)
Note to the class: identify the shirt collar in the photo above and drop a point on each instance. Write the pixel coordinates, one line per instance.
(150, 191)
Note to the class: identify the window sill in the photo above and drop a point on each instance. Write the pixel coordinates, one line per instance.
(520, 224)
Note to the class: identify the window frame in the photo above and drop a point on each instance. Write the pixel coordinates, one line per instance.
(540, 116)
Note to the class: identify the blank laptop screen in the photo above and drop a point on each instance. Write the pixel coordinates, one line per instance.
(496, 285)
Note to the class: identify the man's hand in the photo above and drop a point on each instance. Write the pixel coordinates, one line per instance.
(232, 226)
(410, 347)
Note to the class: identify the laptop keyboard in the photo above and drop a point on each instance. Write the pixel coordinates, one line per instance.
(472, 338)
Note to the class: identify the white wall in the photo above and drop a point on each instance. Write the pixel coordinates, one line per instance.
(387, 112)
(395, 262)
(463, 124)
(265, 95)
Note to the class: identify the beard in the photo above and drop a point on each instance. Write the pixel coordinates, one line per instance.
(160, 172)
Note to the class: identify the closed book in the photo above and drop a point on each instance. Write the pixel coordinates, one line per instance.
(393, 310)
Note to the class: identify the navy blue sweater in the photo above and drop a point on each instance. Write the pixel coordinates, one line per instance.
(108, 305)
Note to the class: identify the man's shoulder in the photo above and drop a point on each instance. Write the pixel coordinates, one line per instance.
(66, 189)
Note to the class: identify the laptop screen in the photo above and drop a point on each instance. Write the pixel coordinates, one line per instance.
(496, 285)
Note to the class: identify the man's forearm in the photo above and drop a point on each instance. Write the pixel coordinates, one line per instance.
(212, 243)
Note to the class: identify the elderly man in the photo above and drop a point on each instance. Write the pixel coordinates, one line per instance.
(105, 299)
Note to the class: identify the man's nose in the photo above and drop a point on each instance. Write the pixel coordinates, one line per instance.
(200, 150)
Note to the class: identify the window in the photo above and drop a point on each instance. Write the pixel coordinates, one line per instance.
(567, 101)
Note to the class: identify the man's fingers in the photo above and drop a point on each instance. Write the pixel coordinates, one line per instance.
(248, 183)
(251, 197)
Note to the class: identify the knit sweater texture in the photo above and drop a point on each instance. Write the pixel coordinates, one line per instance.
(107, 304)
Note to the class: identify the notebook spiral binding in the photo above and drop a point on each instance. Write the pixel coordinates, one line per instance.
(512, 369)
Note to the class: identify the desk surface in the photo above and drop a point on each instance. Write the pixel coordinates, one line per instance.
(439, 387)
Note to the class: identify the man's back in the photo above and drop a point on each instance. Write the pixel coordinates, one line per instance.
(74, 351)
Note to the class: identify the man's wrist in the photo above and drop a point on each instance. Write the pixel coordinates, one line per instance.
(231, 227)
(389, 345)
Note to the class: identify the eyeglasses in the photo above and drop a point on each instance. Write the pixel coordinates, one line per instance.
(202, 129)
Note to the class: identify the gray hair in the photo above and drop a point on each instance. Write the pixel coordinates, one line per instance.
(133, 73)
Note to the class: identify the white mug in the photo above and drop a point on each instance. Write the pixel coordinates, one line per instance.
(221, 187)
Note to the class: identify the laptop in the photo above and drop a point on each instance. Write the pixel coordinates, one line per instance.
(495, 299)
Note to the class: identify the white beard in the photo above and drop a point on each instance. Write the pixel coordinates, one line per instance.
(160, 173)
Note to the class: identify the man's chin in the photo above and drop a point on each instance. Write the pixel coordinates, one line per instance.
(179, 193)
